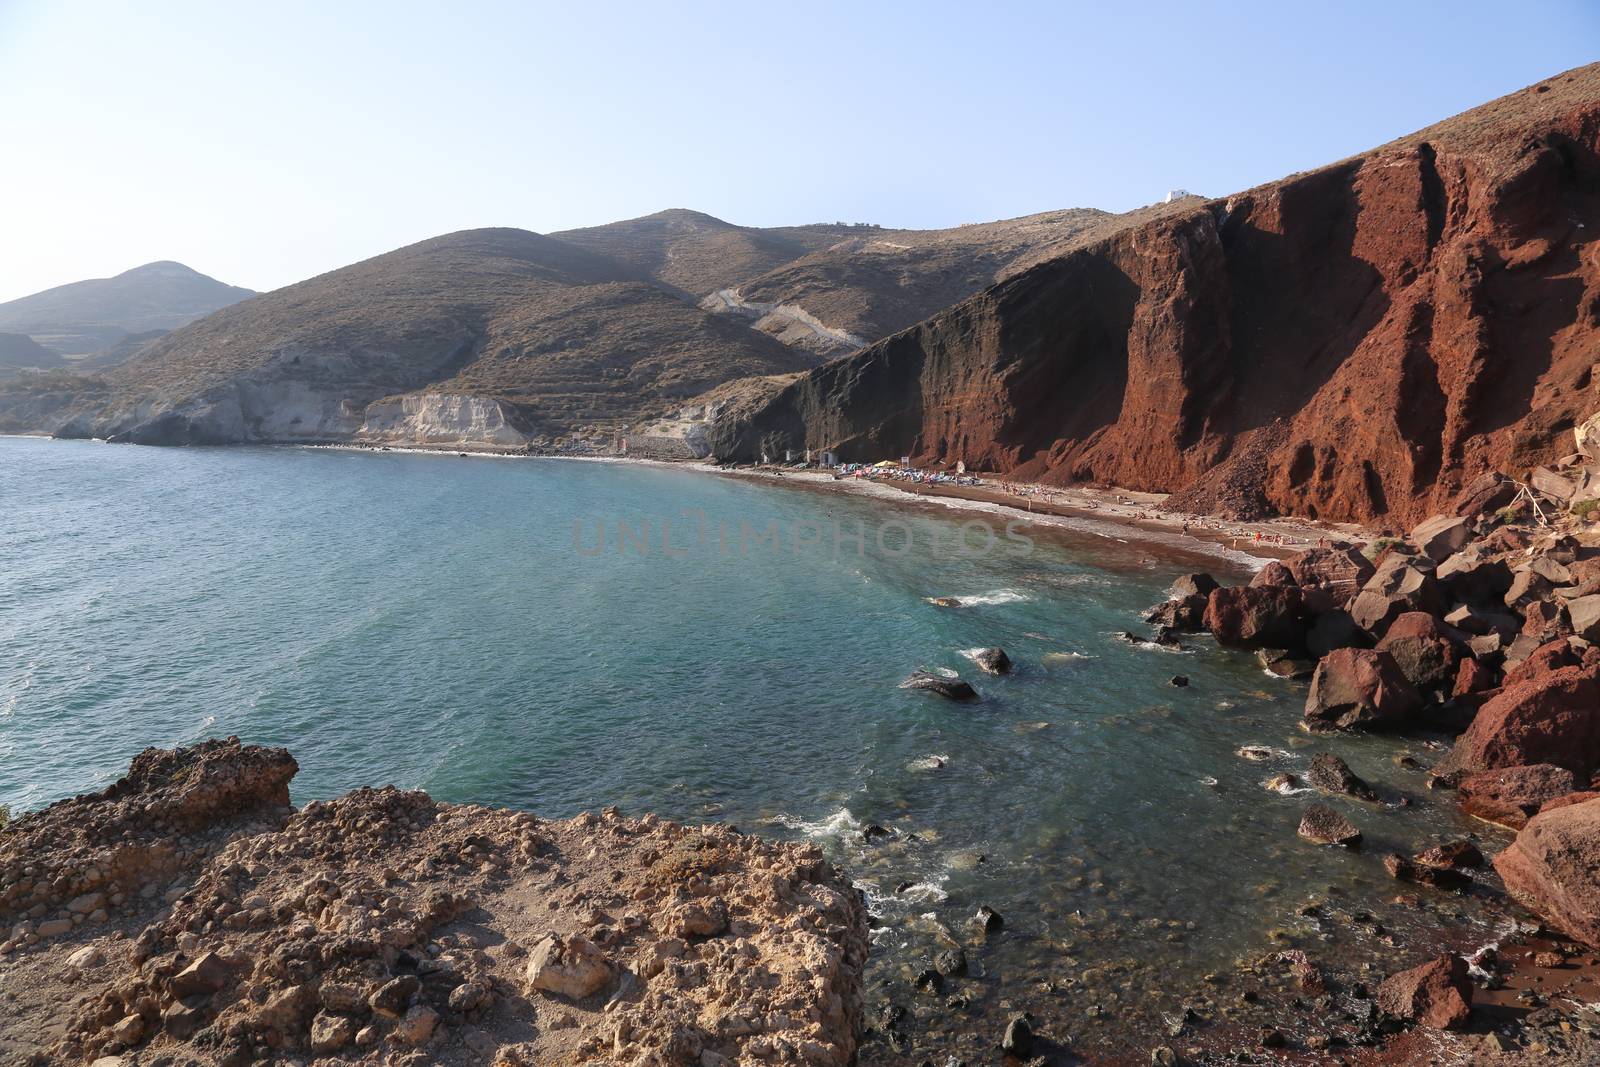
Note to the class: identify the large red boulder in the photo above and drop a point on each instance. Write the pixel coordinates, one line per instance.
(1512, 795)
(1263, 616)
(1552, 717)
(1551, 869)
(1428, 652)
(1339, 572)
(1402, 583)
(1443, 536)
(1359, 687)
(1485, 494)
(1550, 656)
(1438, 994)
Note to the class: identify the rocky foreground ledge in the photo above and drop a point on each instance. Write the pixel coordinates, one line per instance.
(188, 915)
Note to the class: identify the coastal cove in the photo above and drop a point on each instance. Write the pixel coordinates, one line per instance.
(410, 618)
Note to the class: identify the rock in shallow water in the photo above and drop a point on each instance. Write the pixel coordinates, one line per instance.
(949, 688)
(1331, 774)
(992, 660)
(1323, 826)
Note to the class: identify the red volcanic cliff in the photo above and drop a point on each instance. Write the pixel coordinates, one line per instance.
(1353, 343)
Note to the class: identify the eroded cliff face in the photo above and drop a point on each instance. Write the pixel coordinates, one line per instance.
(1354, 343)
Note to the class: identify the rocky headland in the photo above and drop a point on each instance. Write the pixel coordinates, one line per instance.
(189, 915)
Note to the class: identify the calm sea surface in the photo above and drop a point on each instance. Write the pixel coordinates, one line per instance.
(433, 622)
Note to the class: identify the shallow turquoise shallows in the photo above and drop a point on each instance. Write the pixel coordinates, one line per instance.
(433, 622)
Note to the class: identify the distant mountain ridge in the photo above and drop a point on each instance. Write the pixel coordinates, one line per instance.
(91, 316)
(506, 338)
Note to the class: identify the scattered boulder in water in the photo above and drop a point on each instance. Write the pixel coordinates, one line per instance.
(1185, 615)
(1322, 825)
(992, 660)
(1282, 783)
(938, 685)
(987, 919)
(1018, 1038)
(1331, 774)
(1284, 664)
(945, 602)
(1357, 687)
(1404, 870)
(1437, 994)
(1457, 853)
(1179, 681)
(1192, 585)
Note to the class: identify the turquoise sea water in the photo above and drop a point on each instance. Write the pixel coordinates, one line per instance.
(432, 621)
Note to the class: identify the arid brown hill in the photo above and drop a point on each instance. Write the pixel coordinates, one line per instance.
(697, 253)
(18, 350)
(92, 316)
(830, 289)
(501, 332)
(503, 338)
(868, 285)
(1351, 343)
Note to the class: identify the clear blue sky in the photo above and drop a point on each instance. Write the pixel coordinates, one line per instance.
(266, 142)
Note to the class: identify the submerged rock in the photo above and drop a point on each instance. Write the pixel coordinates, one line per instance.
(1406, 870)
(938, 685)
(1458, 853)
(1331, 774)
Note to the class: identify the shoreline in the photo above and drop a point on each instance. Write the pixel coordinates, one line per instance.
(1097, 512)
(1079, 509)
(1105, 513)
